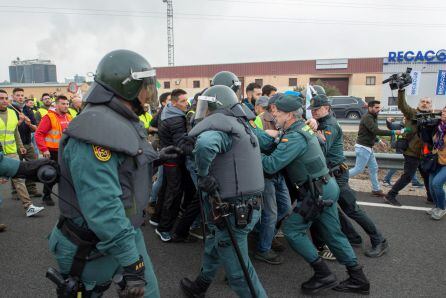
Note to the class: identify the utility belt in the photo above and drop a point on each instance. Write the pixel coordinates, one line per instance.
(241, 209)
(310, 197)
(71, 285)
(338, 170)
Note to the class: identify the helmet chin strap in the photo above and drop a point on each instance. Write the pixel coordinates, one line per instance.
(137, 107)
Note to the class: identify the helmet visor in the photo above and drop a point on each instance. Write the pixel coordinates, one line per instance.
(151, 96)
(206, 104)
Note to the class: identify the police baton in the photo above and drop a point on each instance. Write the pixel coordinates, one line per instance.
(202, 215)
(217, 198)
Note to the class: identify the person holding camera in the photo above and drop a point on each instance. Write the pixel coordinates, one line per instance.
(411, 146)
(395, 143)
(437, 178)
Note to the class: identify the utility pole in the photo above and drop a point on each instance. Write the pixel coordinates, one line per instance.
(170, 42)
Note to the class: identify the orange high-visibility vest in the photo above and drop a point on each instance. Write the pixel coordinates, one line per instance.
(52, 138)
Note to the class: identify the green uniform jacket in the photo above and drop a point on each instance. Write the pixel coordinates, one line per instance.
(292, 145)
(415, 143)
(333, 147)
(95, 179)
(8, 166)
(368, 130)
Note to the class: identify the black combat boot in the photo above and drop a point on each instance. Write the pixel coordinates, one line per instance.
(356, 283)
(323, 278)
(195, 288)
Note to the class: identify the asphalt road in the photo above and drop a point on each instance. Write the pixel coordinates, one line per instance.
(414, 266)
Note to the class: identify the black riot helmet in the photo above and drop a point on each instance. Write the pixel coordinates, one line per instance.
(228, 79)
(217, 97)
(126, 73)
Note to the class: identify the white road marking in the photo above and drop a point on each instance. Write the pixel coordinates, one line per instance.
(395, 207)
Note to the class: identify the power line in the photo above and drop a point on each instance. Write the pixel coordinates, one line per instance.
(339, 4)
(239, 18)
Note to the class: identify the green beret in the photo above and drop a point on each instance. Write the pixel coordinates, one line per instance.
(318, 101)
(289, 103)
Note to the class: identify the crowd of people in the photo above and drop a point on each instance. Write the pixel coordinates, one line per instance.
(31, 128)
(224, 169)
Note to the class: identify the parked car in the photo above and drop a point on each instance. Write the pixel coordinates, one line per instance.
(390, 111)
(349, 107)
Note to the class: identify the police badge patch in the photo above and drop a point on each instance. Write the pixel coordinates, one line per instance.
(101, 153)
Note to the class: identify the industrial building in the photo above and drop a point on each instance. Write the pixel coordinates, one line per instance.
(32, 71)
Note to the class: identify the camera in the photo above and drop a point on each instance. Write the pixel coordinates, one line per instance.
(399, 80)
(427, 123)
(427, 119)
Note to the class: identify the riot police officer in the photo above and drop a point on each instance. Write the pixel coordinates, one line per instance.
(227, 158)
(106, 167)
(299, 154)
(229, 79)
(332, 144)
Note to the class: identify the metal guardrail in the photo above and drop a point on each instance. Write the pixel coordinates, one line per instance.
(385, 160)
(356, 121)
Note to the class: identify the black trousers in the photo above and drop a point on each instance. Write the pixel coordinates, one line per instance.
(48, 188)
(169, 197)
(411, 164)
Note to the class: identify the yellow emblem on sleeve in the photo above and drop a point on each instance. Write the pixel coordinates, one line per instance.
(101, 153)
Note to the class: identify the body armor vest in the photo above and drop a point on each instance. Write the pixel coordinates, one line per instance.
(239, 171)
(105, 126)
(309, 165)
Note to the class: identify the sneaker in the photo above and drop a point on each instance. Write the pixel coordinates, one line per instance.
(326, 254)
(417, 184)
(431, 211)
(2, 227)
(392, 201)
(269, 257)
(378, 250)
(153, 222)
(33, 210)
(165, 236)
(387, 183)
(438, 214)
(378, 193)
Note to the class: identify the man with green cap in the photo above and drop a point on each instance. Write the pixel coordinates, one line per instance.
(106, 166)
(298, 154)
(228, 165)
(331, 138)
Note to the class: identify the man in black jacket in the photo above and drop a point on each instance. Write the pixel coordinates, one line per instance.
(171, 128)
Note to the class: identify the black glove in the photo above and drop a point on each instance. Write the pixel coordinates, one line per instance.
(28, 169)
(187, 144)
(208, 184)
(134, 281)
(170, 152)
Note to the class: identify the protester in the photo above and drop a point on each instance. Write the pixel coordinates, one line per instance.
(269, 90)
(437, 179)
(368, 130)
(11, 143)
(48, 135)
(253, 92)
(26, 128)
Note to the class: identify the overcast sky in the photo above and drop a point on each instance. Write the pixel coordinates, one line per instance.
(75, 34)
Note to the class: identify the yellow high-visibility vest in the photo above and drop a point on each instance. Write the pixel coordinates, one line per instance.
(146, 118)
(7, 138)
(42, 112)
(72, 112)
